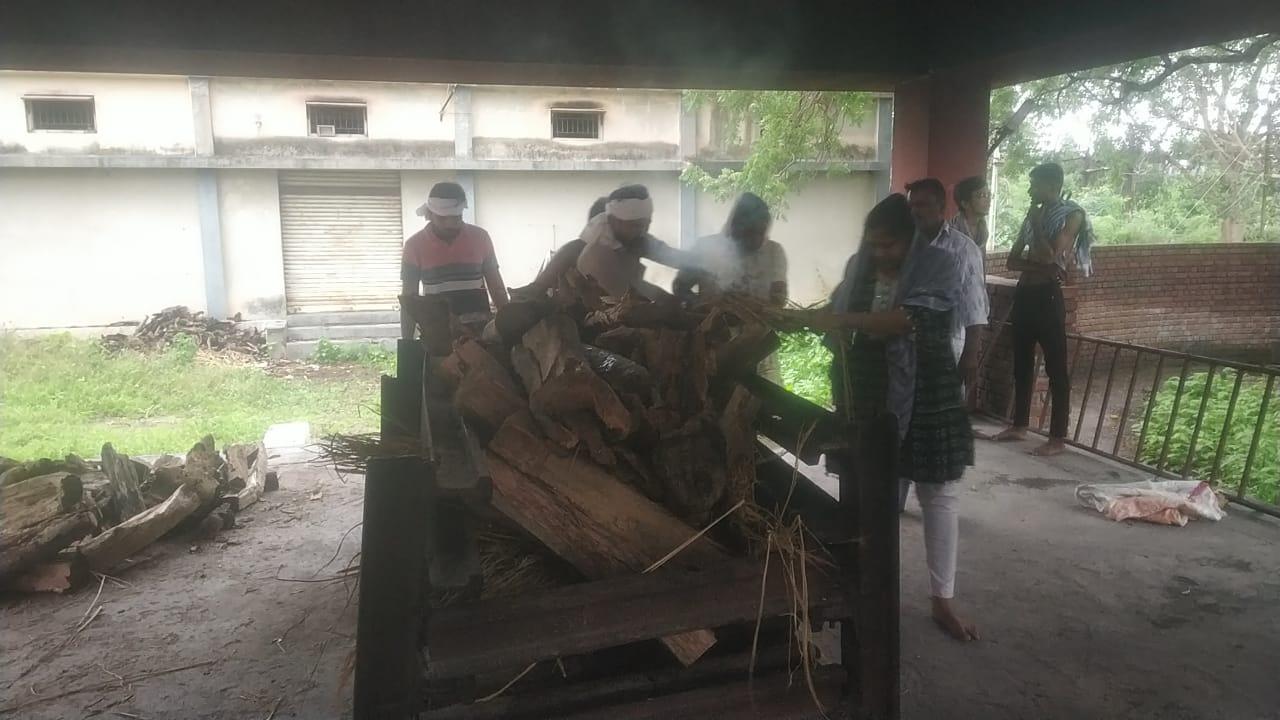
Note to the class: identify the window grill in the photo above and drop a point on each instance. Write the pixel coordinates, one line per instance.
(576, 124)
(64, 114)
(336, 119)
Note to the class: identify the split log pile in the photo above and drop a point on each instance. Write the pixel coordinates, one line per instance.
(159, 330)
(65, 519)
(615, 431)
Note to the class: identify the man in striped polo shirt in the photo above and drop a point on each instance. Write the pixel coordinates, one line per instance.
(451, 259)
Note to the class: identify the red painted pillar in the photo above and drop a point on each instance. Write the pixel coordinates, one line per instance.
(940, 129)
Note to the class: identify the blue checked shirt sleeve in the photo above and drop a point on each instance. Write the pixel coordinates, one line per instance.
(974, 307)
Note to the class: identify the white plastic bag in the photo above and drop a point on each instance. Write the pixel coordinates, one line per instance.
(1166, 502)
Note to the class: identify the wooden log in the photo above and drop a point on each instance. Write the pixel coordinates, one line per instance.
(565, 382)
(127, 477)
(485, 401)
(517, 317)
(17, 472)
(247, 468)
(166, 476)
(598, 524)
(623, 374)
(111, 547)
(41, 515)
(585, 428)
(737, 428)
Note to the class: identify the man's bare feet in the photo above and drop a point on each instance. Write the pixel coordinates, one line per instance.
(1010, 434)
(1051, 447)
(945, 616)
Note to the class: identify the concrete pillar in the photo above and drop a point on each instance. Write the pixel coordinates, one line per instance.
(215, 279)
(940, 128)
(462, 131)
(201, 115)
(688, 139)
(467, 179)
(884, 146)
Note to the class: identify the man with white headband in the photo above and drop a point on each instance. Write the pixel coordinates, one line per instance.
(451, 259)
(612, 244)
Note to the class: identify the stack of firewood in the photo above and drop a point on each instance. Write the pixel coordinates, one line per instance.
(65, 519)
(616, 431)
(158, 330)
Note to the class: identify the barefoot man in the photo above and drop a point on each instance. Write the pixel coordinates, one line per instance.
(1039, 316)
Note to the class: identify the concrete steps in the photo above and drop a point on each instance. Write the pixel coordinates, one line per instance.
(304, 331)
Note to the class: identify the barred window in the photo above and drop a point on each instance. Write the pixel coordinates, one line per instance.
(64, 114)
(329, 119)
(576, 124)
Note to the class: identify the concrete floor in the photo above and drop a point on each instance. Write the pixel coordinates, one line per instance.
(1081, 617)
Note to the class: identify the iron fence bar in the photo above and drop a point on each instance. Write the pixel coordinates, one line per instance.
(1088, 386)
(1044, 403)
(1226, 429)
(1146, 419)
(1257, 433)
(1195, 434)
(1106, 397)
(1173, 413)
(1128, 398)
(1248, 367)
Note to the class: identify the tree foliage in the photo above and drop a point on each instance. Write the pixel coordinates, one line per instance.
(1178, 149)
(783, 138)
(1179, 141)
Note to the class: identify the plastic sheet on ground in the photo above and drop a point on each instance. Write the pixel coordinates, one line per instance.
(1165, 502)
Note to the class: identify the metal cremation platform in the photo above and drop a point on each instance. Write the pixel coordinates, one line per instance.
(420, 520)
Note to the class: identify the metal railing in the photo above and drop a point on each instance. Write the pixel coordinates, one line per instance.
(1109, 426)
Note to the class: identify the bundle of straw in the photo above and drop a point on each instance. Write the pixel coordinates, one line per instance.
(350, 454)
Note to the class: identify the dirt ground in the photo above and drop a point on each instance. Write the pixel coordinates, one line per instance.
(1080, 617)
(274, 643)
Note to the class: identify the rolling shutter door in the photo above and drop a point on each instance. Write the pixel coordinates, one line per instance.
(342, 239)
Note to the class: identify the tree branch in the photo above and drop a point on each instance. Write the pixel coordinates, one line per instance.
(1129, 87)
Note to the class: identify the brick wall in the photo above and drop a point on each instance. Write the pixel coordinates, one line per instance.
(1218, 297)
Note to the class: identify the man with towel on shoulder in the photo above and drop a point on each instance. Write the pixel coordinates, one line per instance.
(610, 248)
(451, 259)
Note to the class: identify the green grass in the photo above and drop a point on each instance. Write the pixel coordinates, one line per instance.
(61, 395)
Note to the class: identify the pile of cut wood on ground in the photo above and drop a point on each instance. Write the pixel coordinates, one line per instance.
(64, 519)
(158, 330)
(615, 431)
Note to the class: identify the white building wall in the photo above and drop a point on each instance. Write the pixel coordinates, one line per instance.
(820, 228)
(138, 114)
(529, 214)
(93, 247)
(630, 116)
(250, 108)
(252, 255)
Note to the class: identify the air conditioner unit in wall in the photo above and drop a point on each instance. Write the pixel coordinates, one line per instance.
(326, 130)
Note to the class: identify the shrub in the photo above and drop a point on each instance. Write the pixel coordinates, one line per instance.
(371, 354)
(805, 364)
(1264, 475)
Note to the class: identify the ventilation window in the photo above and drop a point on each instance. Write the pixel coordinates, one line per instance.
(332, 119)
(60, 114)
(576, 124)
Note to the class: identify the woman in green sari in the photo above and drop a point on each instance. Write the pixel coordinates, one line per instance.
(896, 300)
